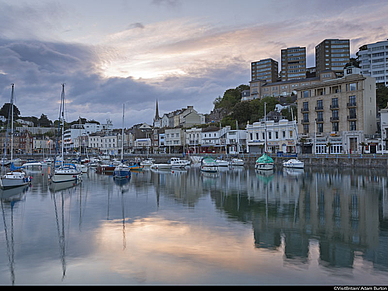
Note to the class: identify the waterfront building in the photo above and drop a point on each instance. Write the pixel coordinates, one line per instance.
(374, 61)
(174, 140)
(266, 70)
(332, 54)
(211, 142)
(281, 136)
(109, 144)
(336, 115)
(142, 145)
(293, 62)
(193, 139)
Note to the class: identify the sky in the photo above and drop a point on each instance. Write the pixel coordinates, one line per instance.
(179, 52)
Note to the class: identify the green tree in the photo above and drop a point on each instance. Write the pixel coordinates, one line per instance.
(44, 121)
(4, 111)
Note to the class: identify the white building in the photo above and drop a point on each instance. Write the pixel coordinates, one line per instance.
(374, 61)
(235, 140)
(193, 139)
(281, 136)
(109, 145)
(174, 139)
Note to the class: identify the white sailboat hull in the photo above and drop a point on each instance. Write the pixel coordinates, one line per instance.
(12, 180)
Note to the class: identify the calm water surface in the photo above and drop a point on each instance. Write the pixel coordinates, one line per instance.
(319, 226)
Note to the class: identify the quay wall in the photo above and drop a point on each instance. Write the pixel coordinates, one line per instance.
(353, 161)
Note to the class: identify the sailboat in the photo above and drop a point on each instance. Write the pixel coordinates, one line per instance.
(265, 162)
(16, 177)
(65, 172)
(122, 171)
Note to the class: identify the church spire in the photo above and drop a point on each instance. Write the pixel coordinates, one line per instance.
(157, 111)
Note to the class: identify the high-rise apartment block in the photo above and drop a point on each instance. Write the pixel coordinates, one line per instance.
(374, 61)
(332, 54)
(266, 70)
(293, 63)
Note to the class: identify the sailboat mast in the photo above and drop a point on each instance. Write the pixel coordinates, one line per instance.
(63, 118)
(13, 85)
(265, 126)
(122, 137)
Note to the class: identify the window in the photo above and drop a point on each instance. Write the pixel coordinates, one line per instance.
(320, 116)
(319, 104)
(305, 119)
(305, 94)
(305, 128)
(352, 126)
(352, 100)
(335, 126)
(352, 86)
(305, 106)
(290, 133)
(269, 135)
(263, 135)
(320, 127)
(334, 103)
(276, 134)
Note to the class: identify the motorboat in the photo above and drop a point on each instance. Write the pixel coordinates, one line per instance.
(222, 163)
(209, 165)
(178, 163)
(294, 163)
(161, 167)
(32, 166)
(237, 162)
(147, 162)
(265, 162)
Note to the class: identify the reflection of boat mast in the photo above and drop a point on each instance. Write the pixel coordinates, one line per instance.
(10, 245)
(61, 236)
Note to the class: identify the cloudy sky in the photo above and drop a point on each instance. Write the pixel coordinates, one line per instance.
(181, 52)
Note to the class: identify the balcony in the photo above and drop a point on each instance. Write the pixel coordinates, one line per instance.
(304, 110)
(351, 104)
(352, 117)
(319, 120)
(334, 107)
(319, 108)
(334, 119)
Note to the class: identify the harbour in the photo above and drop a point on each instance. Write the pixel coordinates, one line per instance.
(183, 226)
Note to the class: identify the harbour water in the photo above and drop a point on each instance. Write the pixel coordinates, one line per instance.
(315, 226)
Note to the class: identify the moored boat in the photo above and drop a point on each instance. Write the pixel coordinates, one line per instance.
(294, 163)
(265, 162)
(209, 165)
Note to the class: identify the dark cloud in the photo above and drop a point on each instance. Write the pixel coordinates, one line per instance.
(136, 25)
(168, 3)
(39, 68)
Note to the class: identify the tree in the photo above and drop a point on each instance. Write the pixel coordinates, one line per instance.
(4, 111)
(44, 121)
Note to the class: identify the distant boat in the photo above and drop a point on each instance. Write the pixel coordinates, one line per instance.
(122, 170)
(16, 177)
(147, 162)
(161, 167)
(222, 163)
(64, 172)
(294, 163)
(178, 163)
(237, 162)
(265, 162)
(209, 165)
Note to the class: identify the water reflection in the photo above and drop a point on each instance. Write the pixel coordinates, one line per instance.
(238, 226)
